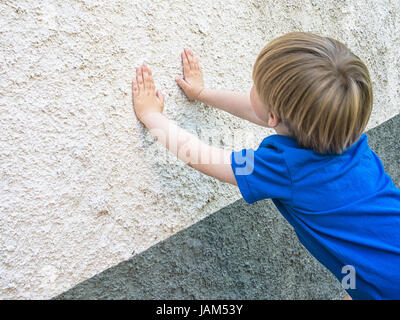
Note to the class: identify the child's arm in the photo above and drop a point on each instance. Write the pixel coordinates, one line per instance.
(148, 107)
(236, 103)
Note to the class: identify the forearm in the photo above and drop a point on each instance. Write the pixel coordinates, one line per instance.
(236, 103)
(190, 149)
(173, 137)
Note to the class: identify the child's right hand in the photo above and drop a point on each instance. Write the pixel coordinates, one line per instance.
(193, 83)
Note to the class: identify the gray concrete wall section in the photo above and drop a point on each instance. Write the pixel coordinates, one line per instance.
(240, 252)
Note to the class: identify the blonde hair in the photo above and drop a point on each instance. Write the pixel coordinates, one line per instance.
(317, 87)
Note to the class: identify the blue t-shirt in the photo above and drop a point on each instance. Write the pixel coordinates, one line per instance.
(344, 208)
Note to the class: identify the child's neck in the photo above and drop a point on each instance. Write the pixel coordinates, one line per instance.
(282, 130)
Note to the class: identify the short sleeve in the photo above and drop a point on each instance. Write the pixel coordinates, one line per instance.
(261, 174)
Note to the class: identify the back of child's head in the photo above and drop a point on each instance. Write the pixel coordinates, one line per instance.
(319, 89)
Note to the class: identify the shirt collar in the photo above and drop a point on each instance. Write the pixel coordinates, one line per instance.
(286, 140)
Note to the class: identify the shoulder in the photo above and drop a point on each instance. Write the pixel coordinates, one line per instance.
(263, 173)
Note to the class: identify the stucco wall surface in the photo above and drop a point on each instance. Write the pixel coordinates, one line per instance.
(83, 185)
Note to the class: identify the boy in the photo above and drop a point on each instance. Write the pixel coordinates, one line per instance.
(318, 169)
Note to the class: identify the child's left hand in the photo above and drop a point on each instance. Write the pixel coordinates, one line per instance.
(145, 100)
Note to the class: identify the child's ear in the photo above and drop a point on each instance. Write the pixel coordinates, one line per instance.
(273, 119)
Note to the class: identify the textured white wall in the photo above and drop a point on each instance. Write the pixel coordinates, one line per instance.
(83, 185)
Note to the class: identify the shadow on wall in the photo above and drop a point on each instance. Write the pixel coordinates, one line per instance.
(240, 252)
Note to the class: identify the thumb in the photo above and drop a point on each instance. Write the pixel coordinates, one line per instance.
(160, 96)
(182, 83)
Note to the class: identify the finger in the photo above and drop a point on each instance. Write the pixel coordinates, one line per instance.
(148, 69)
(146, 79)
(194, 59)
(189, 55)
(135, 89)
(185, 61)
(197, 64)
(139, 79)
(150, 81)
